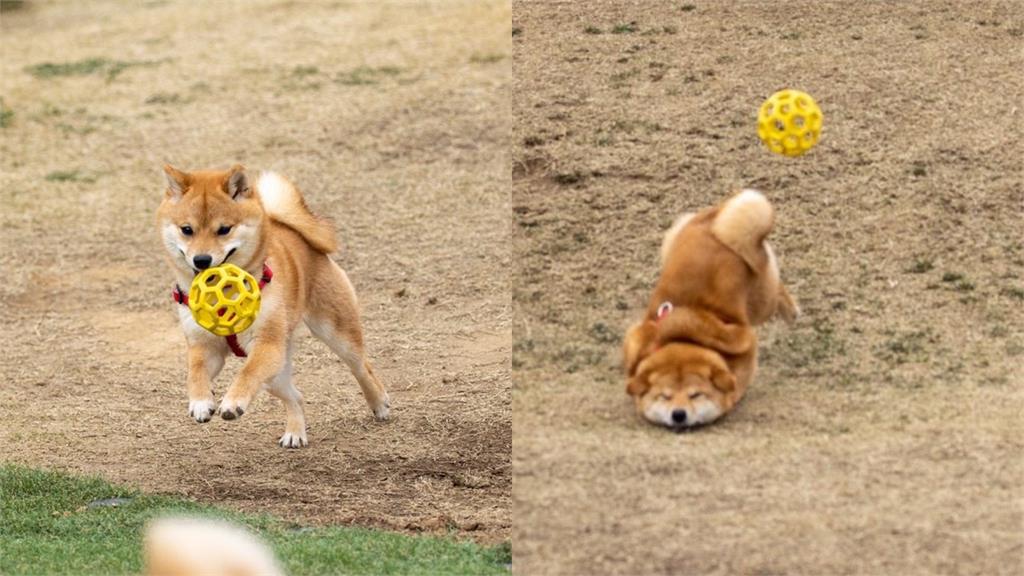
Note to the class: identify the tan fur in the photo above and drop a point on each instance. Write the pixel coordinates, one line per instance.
(722, 280)
(307, 286)
(289, 208)
(198, 547)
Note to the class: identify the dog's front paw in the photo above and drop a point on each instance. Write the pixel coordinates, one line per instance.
(202, 410)
(231, 409)
(383, 408)
(293, 440)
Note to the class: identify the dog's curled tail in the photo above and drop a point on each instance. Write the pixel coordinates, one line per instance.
(284, 204)
(743, 223)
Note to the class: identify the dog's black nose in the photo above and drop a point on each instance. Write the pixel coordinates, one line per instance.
(679, 416)
(202, 261)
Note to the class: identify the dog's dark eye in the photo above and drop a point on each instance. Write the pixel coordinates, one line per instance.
(186, 230)
(695, 395)
(223, 230)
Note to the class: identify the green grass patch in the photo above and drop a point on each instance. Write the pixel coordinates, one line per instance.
(6, 115)
(486, 58)
(625, 28)
(365, 75)
(68, 176)
(49, 525)
(301, 71)
(1014, 292)
(88, 66)
(920, 266)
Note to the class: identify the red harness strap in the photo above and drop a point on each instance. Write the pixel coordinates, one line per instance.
(182, 298)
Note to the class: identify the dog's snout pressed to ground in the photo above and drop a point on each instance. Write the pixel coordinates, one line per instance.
(679, 416)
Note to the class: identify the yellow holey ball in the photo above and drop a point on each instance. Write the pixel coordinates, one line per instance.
(789, 122)
(224, 299)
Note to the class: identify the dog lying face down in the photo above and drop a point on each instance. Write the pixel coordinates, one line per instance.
(691, 358)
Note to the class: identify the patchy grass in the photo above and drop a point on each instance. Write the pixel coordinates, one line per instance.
(69, 176)
(629, 28)
(569, 178)
(901, 348)
(620, 79)
(88, 66)
(302, 71)
(921, 265)
(593, 30)
(164, 98)
(486, 58)
(688, 8)
(1014, 292)
(803, 350)
(6, 115)
(51, 523)
(958, 282)
(365, 75)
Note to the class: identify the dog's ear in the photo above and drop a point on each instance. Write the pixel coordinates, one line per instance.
(237, 183)
(638, 385)
(177, 182)
(636, 345)
(724, 380)
(640, 382)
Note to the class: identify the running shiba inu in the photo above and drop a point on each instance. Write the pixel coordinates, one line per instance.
(690, 360)
(208, 218)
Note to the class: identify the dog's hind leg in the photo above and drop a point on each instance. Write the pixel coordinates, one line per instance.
(284, 388)
(333, 317)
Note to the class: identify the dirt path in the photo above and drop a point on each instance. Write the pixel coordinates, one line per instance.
(392, 118)
(883, 433)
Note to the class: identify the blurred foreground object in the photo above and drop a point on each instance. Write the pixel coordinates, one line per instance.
(193, 546)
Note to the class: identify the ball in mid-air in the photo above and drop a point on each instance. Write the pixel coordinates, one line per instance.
(789, 122)
(224, 299)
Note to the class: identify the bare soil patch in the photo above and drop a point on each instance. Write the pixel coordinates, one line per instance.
(393, 119)
(882, 434)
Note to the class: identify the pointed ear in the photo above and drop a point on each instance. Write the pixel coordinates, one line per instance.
(640, 381)
(177, 182)
(237, 183)
(637, 385)
(723, 379)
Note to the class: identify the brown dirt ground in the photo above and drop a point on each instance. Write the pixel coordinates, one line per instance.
(883, 434)
(393, 118)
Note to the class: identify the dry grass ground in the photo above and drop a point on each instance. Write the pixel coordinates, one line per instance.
(394, 120)
(883, 433)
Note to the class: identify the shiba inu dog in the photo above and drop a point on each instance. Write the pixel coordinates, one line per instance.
(208, 218)
(690, 360)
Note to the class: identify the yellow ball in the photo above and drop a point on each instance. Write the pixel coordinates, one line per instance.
(789, 122)
(224, 299)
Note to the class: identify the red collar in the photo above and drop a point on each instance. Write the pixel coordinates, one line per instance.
(182, 298)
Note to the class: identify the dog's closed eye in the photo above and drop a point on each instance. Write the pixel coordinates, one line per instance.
(695, 395)
(666, 395)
